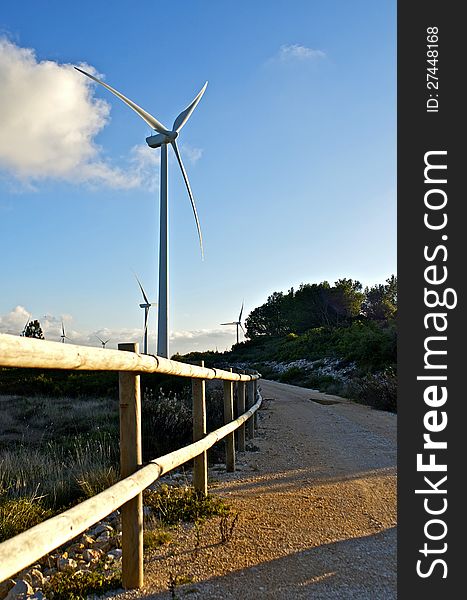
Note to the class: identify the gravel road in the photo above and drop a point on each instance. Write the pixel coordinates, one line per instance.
(316, 500)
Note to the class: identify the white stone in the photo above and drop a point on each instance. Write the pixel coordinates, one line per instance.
(100, 528)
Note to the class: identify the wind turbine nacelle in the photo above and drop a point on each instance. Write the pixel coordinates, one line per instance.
(155, 141)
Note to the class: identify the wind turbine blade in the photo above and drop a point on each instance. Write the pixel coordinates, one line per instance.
(185, 114)
(142, 290)
(233, 323)
(25, 327)
(242, 328)
(193, 205)
(100, 339)
(240, 316)
(63, 330)
(150, 120)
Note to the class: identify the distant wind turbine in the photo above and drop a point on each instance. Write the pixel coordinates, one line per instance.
(161, 140)
(102, 341)
(63, 337)
(146, 305)
(237, 323)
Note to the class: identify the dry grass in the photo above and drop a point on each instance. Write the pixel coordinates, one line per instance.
(35, 420)
(60, 476)
(55, 451)
(16, 515)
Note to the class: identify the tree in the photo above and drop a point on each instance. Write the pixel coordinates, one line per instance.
(320, 304)
(34, 330)
(381, 301)
(311, 306)
(269, 319)
(346, 299)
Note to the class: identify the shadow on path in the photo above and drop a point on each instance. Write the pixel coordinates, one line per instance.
(333, 571)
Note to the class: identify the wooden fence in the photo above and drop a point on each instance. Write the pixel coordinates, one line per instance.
(26, 548)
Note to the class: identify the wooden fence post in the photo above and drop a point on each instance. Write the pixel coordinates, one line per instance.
(130, 461)
(241, 410)
(228, 417)
(200, 468)
(255, 397)
(250, 430)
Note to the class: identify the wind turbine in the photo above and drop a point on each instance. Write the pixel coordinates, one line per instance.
(146, 305)
(102, 341)
(63, 337)
(161, 140)
(23, 333)
(237, 323)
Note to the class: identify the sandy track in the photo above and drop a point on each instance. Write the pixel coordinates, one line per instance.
(316, 504)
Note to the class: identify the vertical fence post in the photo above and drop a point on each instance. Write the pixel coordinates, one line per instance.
(250, 430)
(228, 417)
(241, 410)
(200, 468)
(255, 398)
(130, 461)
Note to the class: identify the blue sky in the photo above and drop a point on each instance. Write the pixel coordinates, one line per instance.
(290, 154)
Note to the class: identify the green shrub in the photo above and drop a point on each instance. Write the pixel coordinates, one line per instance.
(155, 539)
(79, 585)
(292, 375)
(171, 504)
(378, 390)
(324, 383)
(167, 419)
(31, 382)
(166, 423)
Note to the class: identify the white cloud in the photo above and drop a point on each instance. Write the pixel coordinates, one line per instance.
(14, 321)
(296, 52)
(192, 153)
(145, 163)
(180, 341)
(49, 119)
(202, 339)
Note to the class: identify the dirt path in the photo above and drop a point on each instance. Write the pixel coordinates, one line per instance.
(316, 504)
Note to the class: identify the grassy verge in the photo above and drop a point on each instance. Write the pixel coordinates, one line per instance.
(57, 451)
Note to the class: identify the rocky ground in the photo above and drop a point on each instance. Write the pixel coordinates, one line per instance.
(100, 545)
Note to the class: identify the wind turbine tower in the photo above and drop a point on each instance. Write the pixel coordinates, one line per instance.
(23, 333)
(63, 337)
(146, 305)
(238, 323)
(161, 140)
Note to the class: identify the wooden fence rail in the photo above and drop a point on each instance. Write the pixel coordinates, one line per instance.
(26, 548)
(40, 354)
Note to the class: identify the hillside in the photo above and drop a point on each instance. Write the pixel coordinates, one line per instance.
(339, 339)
